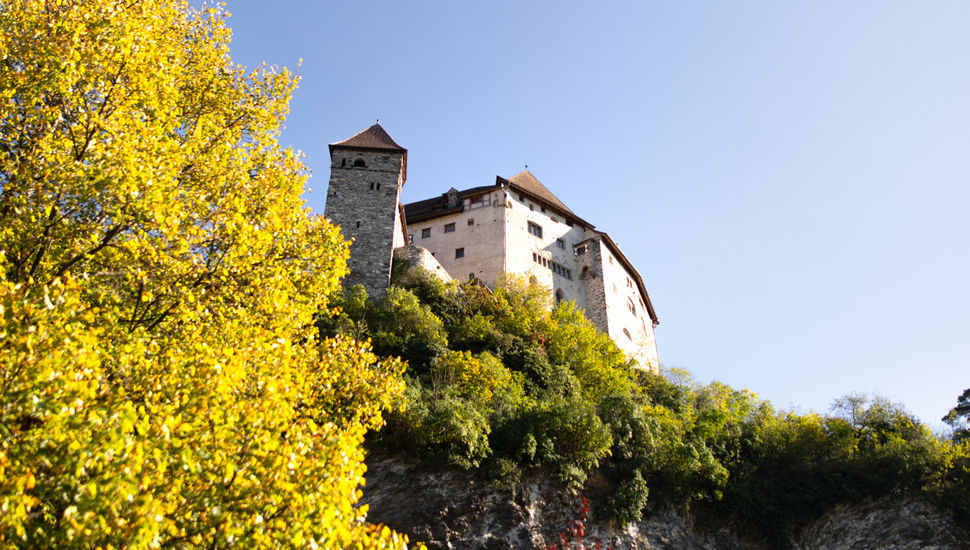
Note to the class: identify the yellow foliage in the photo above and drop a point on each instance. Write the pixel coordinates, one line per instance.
(160, 383)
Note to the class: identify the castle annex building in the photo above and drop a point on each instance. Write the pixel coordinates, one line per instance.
(515, 225)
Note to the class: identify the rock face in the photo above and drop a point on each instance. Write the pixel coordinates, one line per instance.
(453, 509)
(411, 260)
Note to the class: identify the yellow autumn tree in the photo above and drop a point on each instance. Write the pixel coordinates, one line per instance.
(160, 381)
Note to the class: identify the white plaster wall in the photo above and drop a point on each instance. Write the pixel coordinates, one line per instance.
(620, 286)
(522, 244)
(483, 239)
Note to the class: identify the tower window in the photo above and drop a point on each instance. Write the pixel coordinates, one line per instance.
(343, 162)
(359, 163)
(449, 227)
(358, 225)
(561, 243)
(426, 232)
(535, 229)
(459, 253)
(410, 238)
(560, 295)
(471, 221)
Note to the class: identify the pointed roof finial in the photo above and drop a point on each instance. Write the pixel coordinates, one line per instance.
(526, 166)
(378, 121)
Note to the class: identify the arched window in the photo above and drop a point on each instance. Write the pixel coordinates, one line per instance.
(560, 295)
(359, 163)
(585, 273)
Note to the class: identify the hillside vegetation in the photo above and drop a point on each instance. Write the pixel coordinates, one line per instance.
(501, 382)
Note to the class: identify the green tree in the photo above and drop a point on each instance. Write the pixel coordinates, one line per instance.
(160, 379)
(959, 417)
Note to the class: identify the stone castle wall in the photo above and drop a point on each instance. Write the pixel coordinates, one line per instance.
(363, 201)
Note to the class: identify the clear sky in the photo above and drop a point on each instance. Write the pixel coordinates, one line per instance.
(792, 179)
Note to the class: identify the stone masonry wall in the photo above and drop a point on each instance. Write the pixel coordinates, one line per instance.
(590, 268)
(363, 201)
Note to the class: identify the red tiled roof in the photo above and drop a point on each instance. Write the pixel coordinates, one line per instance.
(528, 183)
(374, 138)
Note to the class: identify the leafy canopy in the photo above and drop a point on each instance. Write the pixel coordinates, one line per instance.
(160, 379)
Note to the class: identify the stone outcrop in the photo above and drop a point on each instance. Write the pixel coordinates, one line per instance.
(411, 261)
(452, 509)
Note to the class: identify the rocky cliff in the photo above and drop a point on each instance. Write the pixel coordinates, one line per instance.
(453, 509)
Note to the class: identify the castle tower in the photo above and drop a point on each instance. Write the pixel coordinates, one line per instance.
(367, 172)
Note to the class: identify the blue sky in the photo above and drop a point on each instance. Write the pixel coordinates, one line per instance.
(790, 178)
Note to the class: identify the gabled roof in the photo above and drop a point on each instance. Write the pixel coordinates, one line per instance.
(374, 138)
(526, 183)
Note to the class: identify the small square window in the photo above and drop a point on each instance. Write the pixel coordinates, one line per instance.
(471, 221)
(561, 243)
(426, 232)
(459, 253)
(449, 227)
(535, 229)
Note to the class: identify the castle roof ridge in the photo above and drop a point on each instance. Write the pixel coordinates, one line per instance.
(526, 181)
(374, 138)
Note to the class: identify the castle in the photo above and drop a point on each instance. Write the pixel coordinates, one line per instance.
(514, 226)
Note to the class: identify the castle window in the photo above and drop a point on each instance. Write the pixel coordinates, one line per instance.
(535, 258)
(560, 295)
(585, 273)
(471, 276)
(471, 221)
(459, 253)
(359, 163)
(358, 225)
(561, 243)
(410, 238)
(627, 333)
(449, 227)
(343, 162)
(535, 229)
(629, 305)
(580, 250)
(426, 232)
